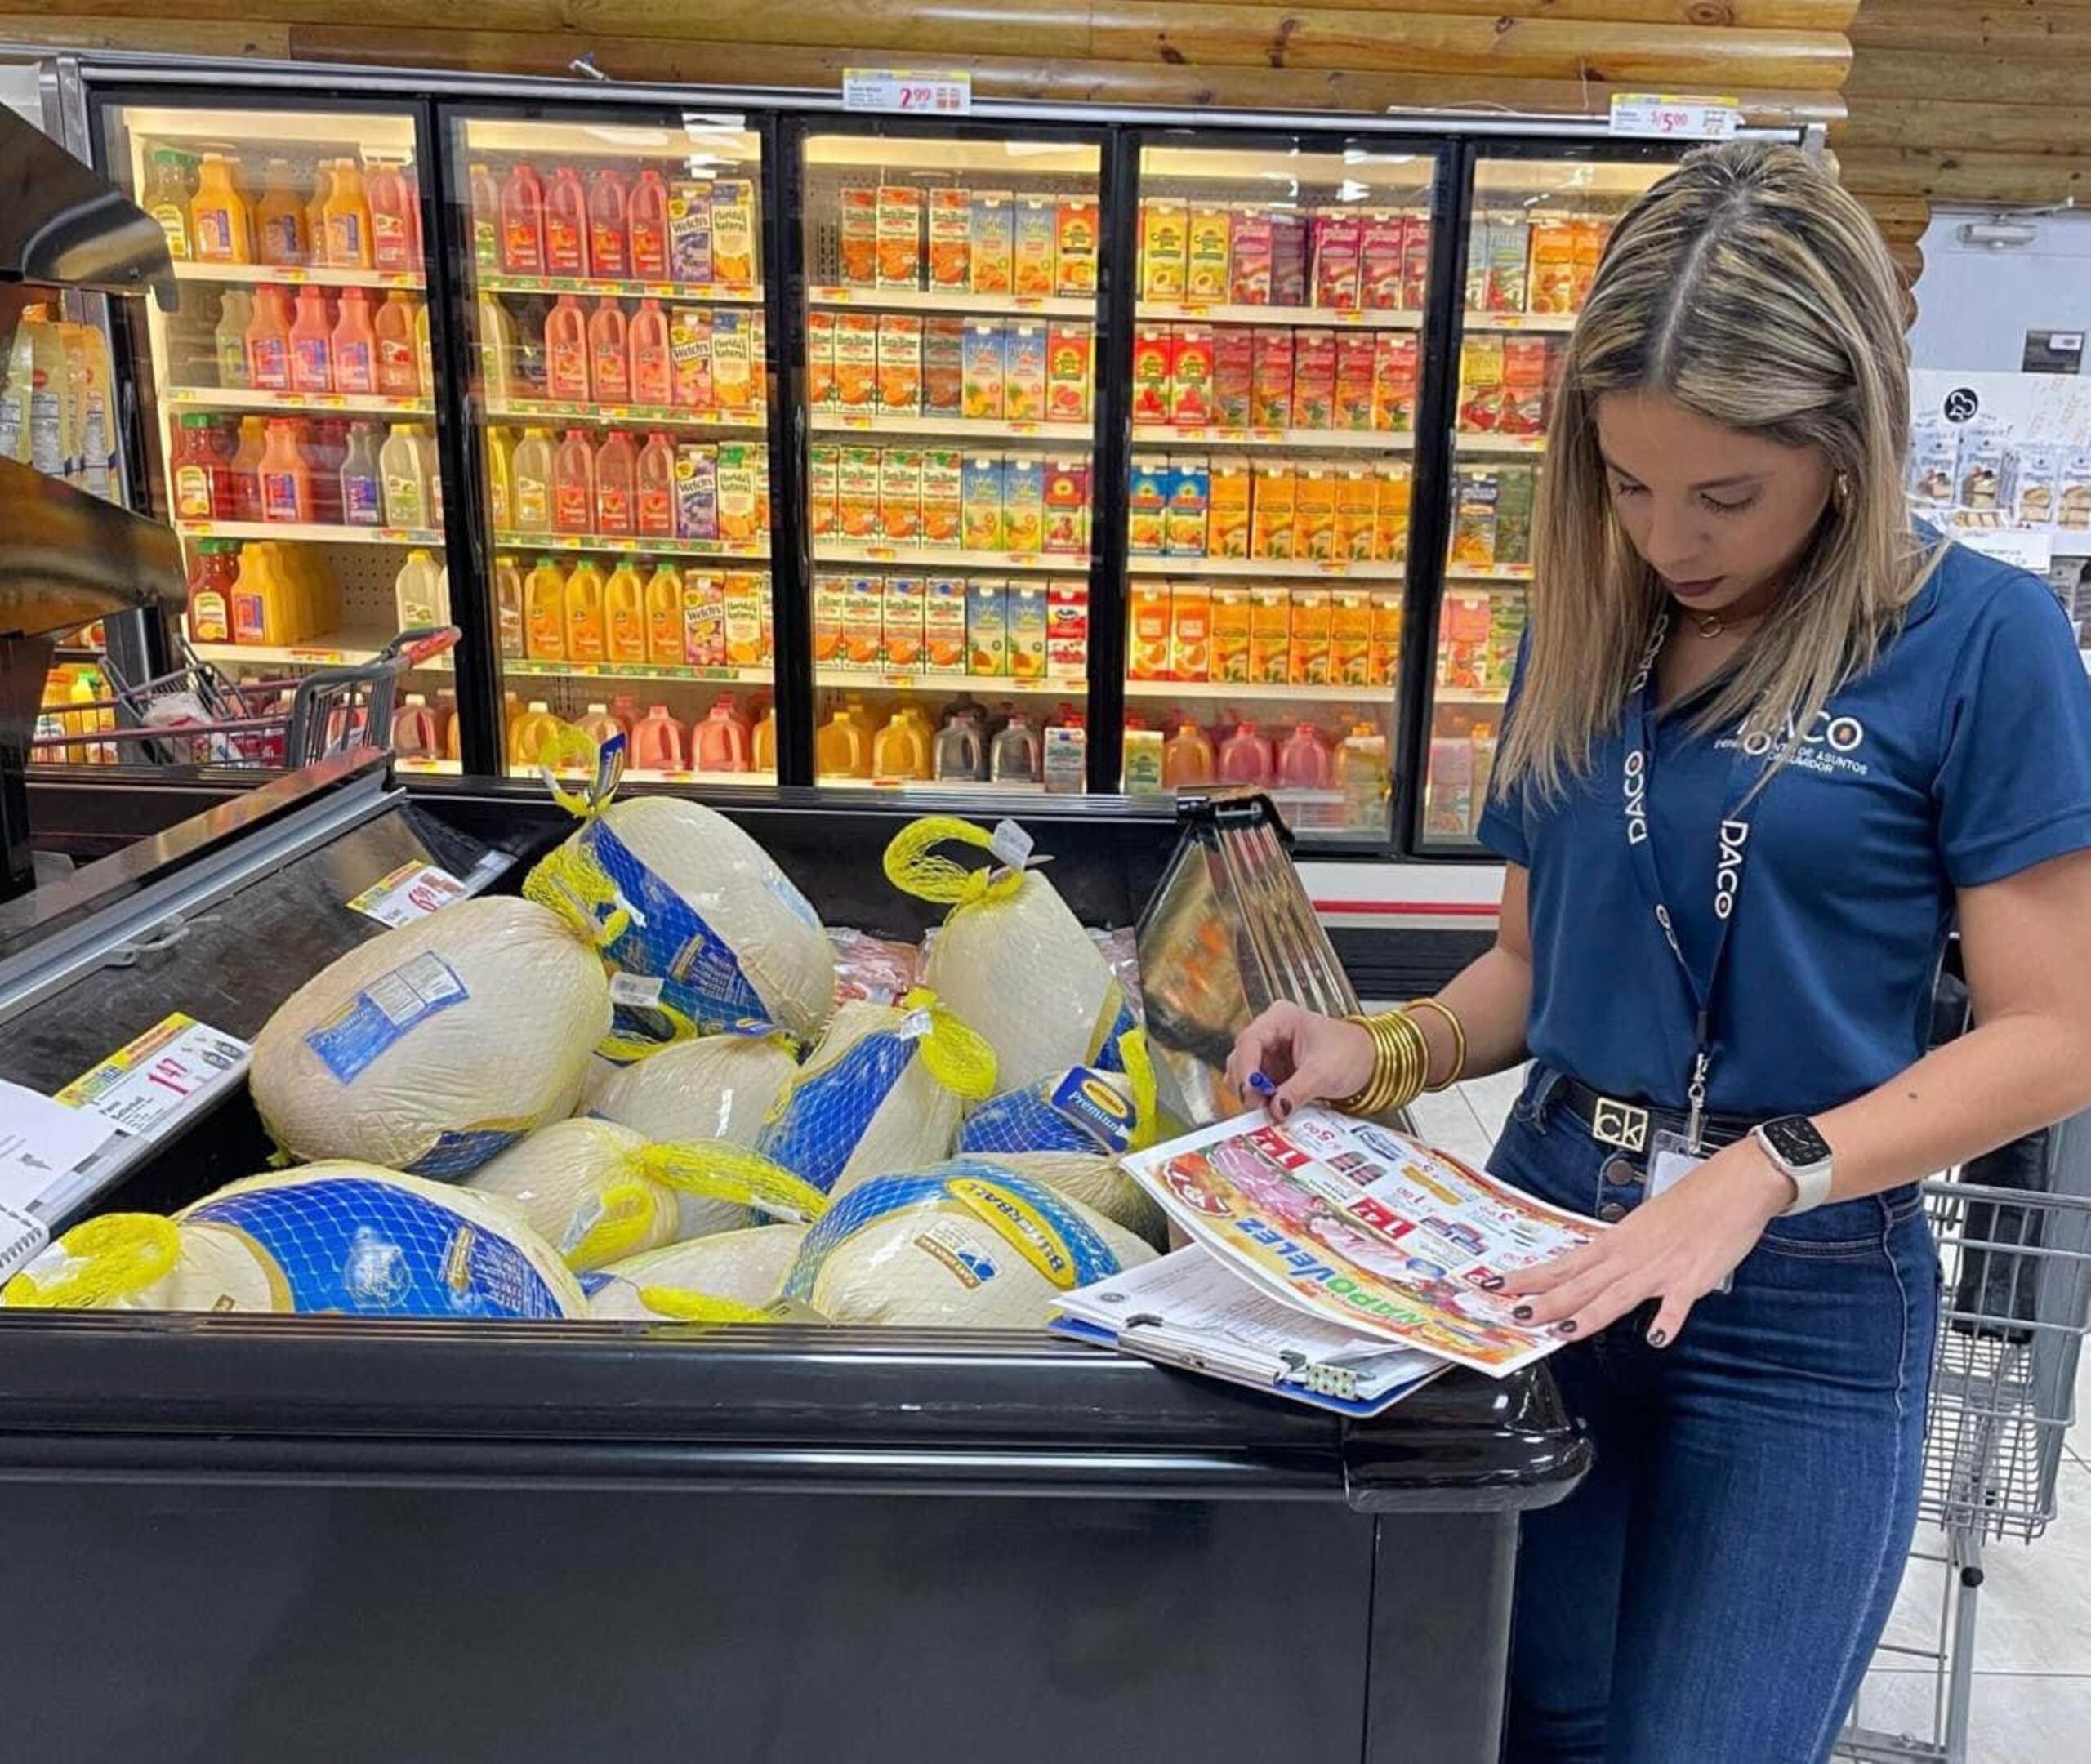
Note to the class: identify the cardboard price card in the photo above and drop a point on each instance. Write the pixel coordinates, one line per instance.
(166, 1071)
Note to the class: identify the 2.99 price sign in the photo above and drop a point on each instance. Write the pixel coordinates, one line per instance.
(916, 93)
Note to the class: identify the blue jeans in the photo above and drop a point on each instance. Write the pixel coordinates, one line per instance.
(1715, 1590)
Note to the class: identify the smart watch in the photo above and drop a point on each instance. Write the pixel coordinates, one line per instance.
(1801, 1153)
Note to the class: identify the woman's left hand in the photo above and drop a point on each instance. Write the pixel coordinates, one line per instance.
(1678, 1247)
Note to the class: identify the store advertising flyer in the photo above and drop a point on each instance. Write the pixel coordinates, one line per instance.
(1366, 1227)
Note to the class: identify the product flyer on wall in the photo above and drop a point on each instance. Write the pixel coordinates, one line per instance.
(1364, 1227)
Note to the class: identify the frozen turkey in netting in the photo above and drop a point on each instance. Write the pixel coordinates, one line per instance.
(716, 1087)
(740, 1267)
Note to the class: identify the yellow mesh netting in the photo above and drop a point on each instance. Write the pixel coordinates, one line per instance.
(956, 1057)
(569, 882)
(570, 746)
(912, 866)
(630, 1219)
(1139, 1074)
(712, 1170)
(106, 1259)
(698, 1307)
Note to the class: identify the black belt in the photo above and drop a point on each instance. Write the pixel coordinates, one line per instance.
(1631, 1126)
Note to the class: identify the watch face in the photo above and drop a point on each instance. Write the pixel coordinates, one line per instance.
(1797, 1143)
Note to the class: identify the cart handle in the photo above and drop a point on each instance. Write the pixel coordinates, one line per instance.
(417, 646)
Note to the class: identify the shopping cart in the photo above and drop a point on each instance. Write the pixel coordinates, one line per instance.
(2017, 1269)
(197, 714)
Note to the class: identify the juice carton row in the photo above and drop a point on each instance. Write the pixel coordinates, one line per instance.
(263, 592)
(1306, 511)
(665, 488)
(1274, 376)
(984, 627)
(641, 614)
(1477, 638)
(1492, 515)
(971, 743)
(617, 223)
(1519, 263)
(1344, 259)
(320, 471)
(984, 370)
(703, 360)
(1507, 382)
(351, 340)
(338, 213)
(910, 236)
(1297, 756)
(1022, 503)
(1261, 635)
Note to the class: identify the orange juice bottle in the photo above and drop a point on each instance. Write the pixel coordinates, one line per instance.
(220, 220)
(315, 212)
(508, 608)
(566, 351)
(587, 637)
(544, 614)
(900, 751)
(653, 374)
(1187, 760)
(269, 341)
(601, 727)
(258, 598)
(617, 475)
(624, 601)
(312, 343)
(763, 743)
(573, 484)
(531, 505)
(279, 223)
(286, 481)
(398, 360)
(840, 748)
(527, 733)
(609, 354)
(664, 618)
(392, 215)
(355, 345)
(348, 218)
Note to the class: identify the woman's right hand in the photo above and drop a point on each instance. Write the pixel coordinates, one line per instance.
(1309, 1057)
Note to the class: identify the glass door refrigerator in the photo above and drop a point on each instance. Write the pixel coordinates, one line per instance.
(951, 324)
(1537, 224)
(1276, 363)
(289, 403)
(618, 424)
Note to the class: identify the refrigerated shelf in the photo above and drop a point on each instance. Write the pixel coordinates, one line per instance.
(565, 413)
(828, 551)
(340, 649)
(536, 668)
(842, 678)
(1470, 695)
(1253, 692)
(1369, 318)
(697, 293)
(942, 300)
(1391, 441)
(1473, 441)
(1284, 566)
(644, 547)
(960, 428)
(295, 275)
(248, 398)
(375, 536)
(1499, 573)
(1488, 321)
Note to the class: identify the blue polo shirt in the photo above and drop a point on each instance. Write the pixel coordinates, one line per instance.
(1961, 757)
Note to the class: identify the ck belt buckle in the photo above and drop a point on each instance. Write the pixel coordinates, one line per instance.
(1623, 1124)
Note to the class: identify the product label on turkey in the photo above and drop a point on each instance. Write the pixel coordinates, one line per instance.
(412, 891)
(383, 1014)
(1096, 1106)
(173, 1067)
(1041, 1239)
(641, 991)
(964, 1256)
(1011, 845)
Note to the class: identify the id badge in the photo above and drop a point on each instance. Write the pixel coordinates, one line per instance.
(1670, 1160)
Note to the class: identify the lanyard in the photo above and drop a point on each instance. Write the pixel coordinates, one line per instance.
(1731, 839)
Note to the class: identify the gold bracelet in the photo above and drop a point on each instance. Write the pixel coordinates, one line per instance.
(1459, 1041)
(1400, 1059)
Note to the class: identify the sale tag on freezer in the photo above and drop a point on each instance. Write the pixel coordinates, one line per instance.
(1663, 117)
(942, 91)
(170, 1069)
(412, 891)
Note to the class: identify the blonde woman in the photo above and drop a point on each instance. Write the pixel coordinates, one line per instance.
(1768, 742)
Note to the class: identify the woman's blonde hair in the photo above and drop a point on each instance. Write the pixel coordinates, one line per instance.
(1752, 289)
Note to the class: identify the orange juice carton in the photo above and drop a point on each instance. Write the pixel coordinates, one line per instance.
(1234, 376)
(1508, 285)
(1390, 515)
(1393, 382)
(820, 359)
(1337, 238)
(1480, 410)
(1147, 506)
(902, 622)
(1271, 366)
(697, 490)
(1226, 514)
(823, 463)
(704, 620)
(732, 360)
(943, 625)
(1190, 377)
(943, 366)
(1271, 511)
(1388, 611)
(1358, 511)
(1314, 511)
(1313, 379)
(1416, 262)
(1037, 219)
(1190, 630)
(1525, 373)
(1270, 635)
(900, 236)
(740, 500)
(987, 627)
(985, 365)
(951, 237)
(831, 595)
(1066, 507)
(1153, 363)
(1164, 239)
(1230, 636)
(1190, 503)
(1066, 628)
(1553, 266)
(900, 496)
(943, 495)
(993, 245)
(1381, 242)
(857, 477)
(1473, 518)
(1289, 282)
(690, 357)
(746, 590)
(1068, 345)
(1463, 632)
(1309, 661)
(1356, 352)
(1147, 654)
(864, 624)
(858, 229)
(1030, 623)
(856, 362)
(1591, 239)
(1211, 243)
(1249, 265)
(900, 365)
(1024, 381)
(1350, 638)
(1074, 246)
(980, 503)
(732, 232)
(690, 257)
(1024, 502)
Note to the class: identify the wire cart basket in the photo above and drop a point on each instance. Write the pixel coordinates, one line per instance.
(2017, 1269)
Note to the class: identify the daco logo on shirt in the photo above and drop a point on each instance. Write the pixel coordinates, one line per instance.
(1830, 746)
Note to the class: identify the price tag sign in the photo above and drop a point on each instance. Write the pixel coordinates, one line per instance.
(1662, 116)
(412, 891)
(2030, 549)
(913, 91)
(167, 1070)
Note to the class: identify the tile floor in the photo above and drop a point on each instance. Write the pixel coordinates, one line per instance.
(2032, 1696)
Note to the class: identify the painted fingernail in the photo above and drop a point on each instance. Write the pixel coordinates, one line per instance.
(1659, 1337)
(1523, 1313)
(1565, 1328)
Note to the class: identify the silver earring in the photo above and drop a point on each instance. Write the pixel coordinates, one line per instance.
(1840, 492)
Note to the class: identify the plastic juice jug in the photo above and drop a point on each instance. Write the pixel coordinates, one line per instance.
(609, 354)
(601, 727)
(901, 750)
(532, 505)
(587, 637)
(414, 591)
(257, 598)
(498, 352)
(312, 343)
(609, 224)
(655, 478)
(624, 604)
(392, 230)
(566, 224)
(721, 742)
(959, 752)
(197, 469)
(166, 199)
(212, 575)
(1246, 757)
(403, 466)
(527, 733)
(423, 352)
(1015, 757)
(286, 479)
(398, 364)
(647, 220)
(658, 743)
(522, 221)
(243, 473)
(508, 608)
(235, 314)
(324, 443)
(762, 744)
(414, 733)
(363, 479)
(573, 484)
(1303, 762)
(269, 341)
(220, 223)
(543, 612)
(315, 212)
(31, 419)
(348, 219)
(486, 217)
(501, 478)
(617, 483)
(354, 344)
(566, 350)
(664, 617)
(1187, 760)
(652, 373)
(279, 229)
(840, 748)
